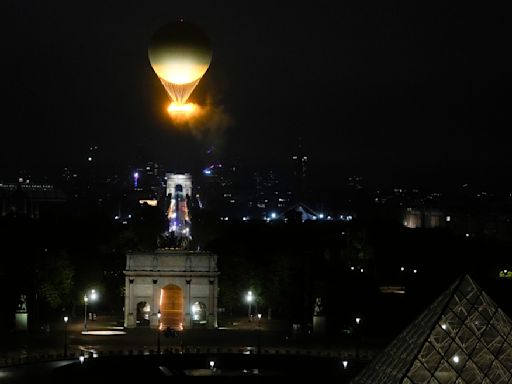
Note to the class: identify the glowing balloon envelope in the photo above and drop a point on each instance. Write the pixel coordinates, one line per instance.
(180, 54)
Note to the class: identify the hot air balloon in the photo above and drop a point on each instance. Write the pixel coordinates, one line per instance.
(180, 54)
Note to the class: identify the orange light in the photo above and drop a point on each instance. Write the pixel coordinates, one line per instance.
(181, 108)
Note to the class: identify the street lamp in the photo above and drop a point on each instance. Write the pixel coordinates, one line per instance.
(159, 315)
(94, 296)
(358, 335)
(250, 298)
(86, 299)
(259, 334)
(66, 336)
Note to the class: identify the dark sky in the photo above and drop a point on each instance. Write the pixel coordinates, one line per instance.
(393, 91)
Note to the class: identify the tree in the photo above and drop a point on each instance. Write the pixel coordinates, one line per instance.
(55, 279)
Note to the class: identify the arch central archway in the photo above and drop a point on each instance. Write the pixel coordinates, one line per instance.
(171, 307)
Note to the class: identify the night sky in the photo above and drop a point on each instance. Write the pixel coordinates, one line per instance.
(398, 93)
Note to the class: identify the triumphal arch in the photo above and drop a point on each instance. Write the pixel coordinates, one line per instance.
(179, 285)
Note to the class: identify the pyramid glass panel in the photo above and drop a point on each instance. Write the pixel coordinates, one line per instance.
(471, 374)
(419, 374)
(466, 340)
(487, 308)
(456, 357)
(440, 338)
(492, 340)
(482, 357)
(452, 323)
(429, 357)
(505, 356)
(499, 321)
(462, 338)
(445, 373)
(476, 323)
(498, 374)
(460, 306)
(469, 289)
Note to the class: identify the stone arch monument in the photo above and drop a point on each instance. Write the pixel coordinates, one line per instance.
(171, 281)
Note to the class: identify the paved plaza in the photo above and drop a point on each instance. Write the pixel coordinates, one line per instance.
(106, 336)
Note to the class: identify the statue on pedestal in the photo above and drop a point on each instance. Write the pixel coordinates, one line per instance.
(22, 314)
(319, 308)
(319, 321)
(22, 304)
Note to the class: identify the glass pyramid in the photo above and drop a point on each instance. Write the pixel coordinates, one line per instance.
(462, 338)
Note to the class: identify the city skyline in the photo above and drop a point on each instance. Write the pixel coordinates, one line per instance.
(404, 93)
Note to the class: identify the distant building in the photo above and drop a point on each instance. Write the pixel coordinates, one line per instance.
(148, 178)
(28, 199)
(300, 212)
(427, 218)
(300, 166)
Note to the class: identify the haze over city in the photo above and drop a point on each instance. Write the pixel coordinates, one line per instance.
(400, 94)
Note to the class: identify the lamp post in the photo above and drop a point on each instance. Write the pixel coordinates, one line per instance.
(86, 299)
(250, 298)
(159, 315)
(259, 334)
(94, 296)
(66, 336)
(358, 335)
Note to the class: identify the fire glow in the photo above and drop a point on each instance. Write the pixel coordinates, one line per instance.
(181, 108)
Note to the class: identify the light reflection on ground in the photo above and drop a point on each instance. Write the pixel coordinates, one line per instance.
(103, 333)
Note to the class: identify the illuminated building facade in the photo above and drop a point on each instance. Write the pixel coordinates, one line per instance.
(182, 285)
(179, 192)
(429, 218)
